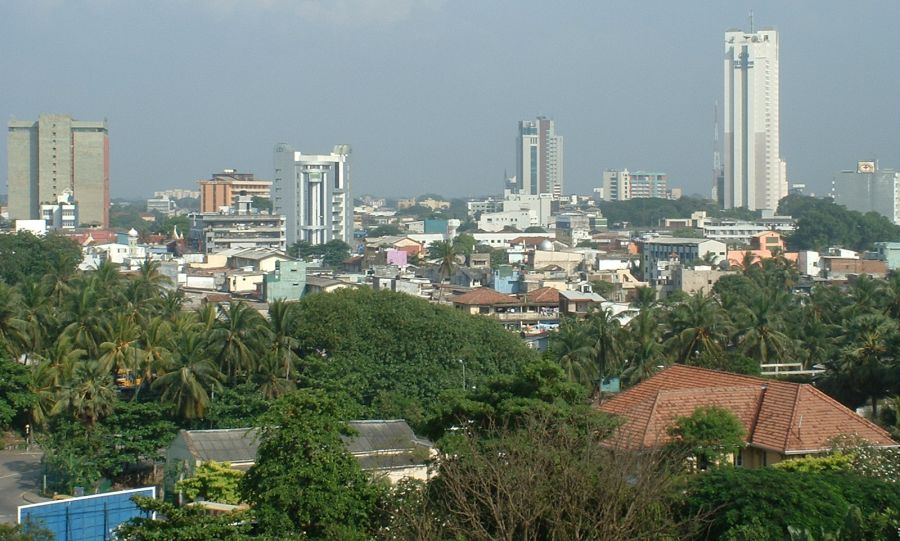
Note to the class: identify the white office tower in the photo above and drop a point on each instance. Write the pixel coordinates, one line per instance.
(313, 193)
(539, 158)
(755, 175)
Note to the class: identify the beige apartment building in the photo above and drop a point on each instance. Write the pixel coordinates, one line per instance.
(220, 190)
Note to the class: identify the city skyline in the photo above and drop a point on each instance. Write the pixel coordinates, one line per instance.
(440, 81)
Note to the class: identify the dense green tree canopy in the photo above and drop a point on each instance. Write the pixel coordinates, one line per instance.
(305, 480)
(821, 224)
(368, 342)
(25, 257)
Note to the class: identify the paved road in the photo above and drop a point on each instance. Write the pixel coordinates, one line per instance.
(20, 472)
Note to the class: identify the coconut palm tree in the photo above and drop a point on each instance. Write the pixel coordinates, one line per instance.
(698, 327)
(867, 355)
(762, 334)
(604, 331)
(446, 252)
(643, 349)
(51, 370)
(190, 378)
(119, 350)
(571, 345)
(85, 316)
(270, 378)
(282, 321)
(13, 330)
(89, 396)
(236, 337)
(154, 350)
(148, 284)
(37, 314)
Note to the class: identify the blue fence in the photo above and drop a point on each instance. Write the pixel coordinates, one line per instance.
(88, 518)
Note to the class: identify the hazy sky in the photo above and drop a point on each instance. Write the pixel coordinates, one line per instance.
(428, 92)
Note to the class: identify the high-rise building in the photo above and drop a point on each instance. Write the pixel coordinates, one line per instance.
(869, 189)
(52, 156)
(622, 185)
(221, 190)
(755, 174)
(313, 192)
(539, 158)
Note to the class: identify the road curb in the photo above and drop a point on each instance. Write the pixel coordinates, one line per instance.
(30, 497)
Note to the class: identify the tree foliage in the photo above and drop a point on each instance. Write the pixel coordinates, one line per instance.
(365, 342)
(183, 523)
(213, 481)
(542, 479)
(710, 435)
(768, 501)
(821, 224)
(24, 257)
(304, 479)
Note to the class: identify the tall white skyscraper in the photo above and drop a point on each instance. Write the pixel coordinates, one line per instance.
(539, 158)
(313, 193)
(755, 174)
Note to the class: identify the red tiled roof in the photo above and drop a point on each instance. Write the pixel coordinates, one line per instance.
(529, 241)
(789, 418)
(544, 295)
(483, 296)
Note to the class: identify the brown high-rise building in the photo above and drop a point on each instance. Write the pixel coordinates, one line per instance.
(220, 190)
(52, 156)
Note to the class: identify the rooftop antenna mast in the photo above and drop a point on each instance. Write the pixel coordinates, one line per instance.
(751, 21)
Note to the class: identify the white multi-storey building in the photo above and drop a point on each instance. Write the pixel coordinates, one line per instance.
(539, 158)
(755, 174)
(313, 193)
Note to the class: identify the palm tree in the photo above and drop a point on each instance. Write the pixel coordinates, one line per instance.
(237, 336)
(85, 316)
(446, 252)
(90, 396)
(868, 351)
(643, 349)
(119, 350)
(282, 321)
(13, 334)
(762, 336)
(154, 352)
(606, 345)
(698, 328)
(572, 347)
(148, 284)
(190, 379)
(54, 369)
(270, 378)
(37, 314)
(645, 298)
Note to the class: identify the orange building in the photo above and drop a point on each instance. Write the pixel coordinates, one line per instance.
(219, 191)
(763, 245)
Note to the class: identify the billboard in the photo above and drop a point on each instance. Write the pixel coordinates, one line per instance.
(87, 518)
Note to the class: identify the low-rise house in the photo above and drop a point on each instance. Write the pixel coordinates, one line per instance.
(764, 245)
(323, 284)
(521, 313)
(692, 280)
(287, 282)
(384, 448)
(840, 268)
(781, 419)
(579, 303)
(889, 252)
